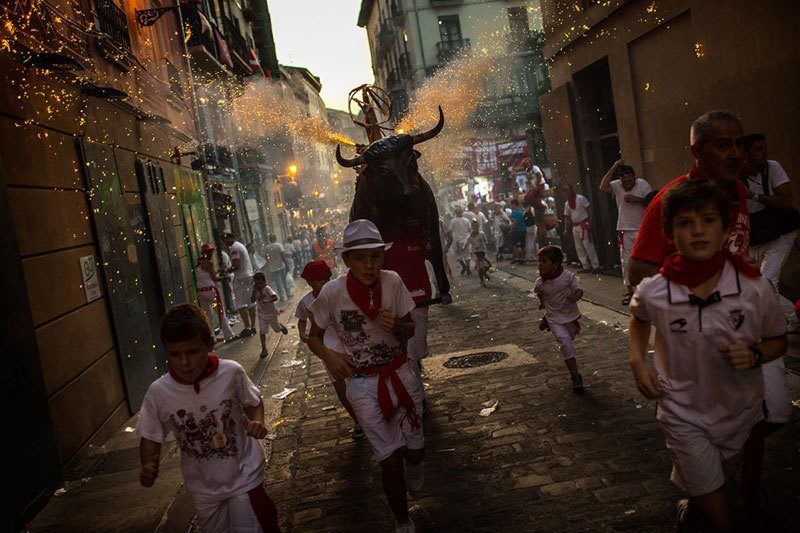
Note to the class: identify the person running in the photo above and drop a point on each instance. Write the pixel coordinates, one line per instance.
(276, 267)
(370, 310)
(208, 292)
(578, 213)
(242, 283)
(558, 291)
(264, 298)
(630, 194)
(716, 323)
(317, 274)
(519, 231)
(217, 417)
(323, 248)
(458, 233)
(477, 243)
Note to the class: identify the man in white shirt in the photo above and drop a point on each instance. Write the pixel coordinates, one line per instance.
(473, 213)
(276, 268)
(458, 233)
(242, 283)
(578, 214)
(776, 193)
(629, 193)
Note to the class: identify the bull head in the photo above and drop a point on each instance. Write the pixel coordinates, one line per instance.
(415, 139)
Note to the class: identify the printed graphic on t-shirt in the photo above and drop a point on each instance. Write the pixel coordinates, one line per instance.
(736, 319)
(356, 340)
(202, 435)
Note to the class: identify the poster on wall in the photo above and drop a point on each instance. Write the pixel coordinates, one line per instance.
(91, 282)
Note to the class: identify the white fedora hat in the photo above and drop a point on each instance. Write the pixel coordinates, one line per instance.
(361, 234)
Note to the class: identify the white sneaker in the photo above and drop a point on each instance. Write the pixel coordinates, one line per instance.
(408, 527)
(415, 477)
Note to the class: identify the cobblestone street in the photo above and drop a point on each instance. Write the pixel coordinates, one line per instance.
(546, 459)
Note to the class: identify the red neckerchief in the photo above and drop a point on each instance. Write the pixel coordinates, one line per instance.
(211, 367)
(554, 275)
(367, 298)
(692, 273)
(571, 200)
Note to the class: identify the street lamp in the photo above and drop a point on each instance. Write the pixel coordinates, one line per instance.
(292, 169)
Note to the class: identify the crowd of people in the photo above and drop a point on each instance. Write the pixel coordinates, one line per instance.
(695, 267)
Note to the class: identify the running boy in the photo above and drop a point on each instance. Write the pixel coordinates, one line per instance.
(317, 274)
(264, 298)
(558, 291)
(716, 322)
(369, 309)
(217, 417)
(477, 243)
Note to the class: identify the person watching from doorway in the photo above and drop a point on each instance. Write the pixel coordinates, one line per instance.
(630, 193)
(578, 215)
(277, 266)
(242, 268)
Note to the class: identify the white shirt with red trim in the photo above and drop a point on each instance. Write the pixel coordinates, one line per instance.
(581, 211)
(362, 339)
(700, 386)
(302, 312)
(218, 459)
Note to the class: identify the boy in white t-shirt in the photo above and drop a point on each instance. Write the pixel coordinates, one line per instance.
(217, 417)
(558, 291)
(477, 243)
(317, 273)
(264, 298)
(370, 310)
(716, 323)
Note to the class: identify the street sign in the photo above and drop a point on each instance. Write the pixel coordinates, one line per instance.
(91, 282)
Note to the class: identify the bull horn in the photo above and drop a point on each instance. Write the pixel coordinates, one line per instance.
(348, 163)
(430, 134)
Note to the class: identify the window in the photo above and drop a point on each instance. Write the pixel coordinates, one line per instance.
(449, 28)
(518, 23)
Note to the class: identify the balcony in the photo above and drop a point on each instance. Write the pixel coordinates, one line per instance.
(447, 50)
(396, 11)
(115, 44)
(393, 81)
(406, 72)
(387, 34)
(238, 45)
(51, 42)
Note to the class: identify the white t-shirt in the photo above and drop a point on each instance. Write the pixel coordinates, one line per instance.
(469, 215)
(477, 242)
(700, 387)
(218, 459)
(238, 251)
(204, 279)
(273, 253)
(630, 215)
(362, 339)
(266, 307)
(460, 226)
(580, 213)
(557, 308)
(298, 245)
(303, 312)
(777, 176)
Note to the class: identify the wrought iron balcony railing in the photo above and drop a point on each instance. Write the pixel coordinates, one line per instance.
(113, 22)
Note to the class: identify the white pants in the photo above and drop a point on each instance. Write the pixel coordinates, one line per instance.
(417, 346)
(772, 256)
(461, 250)
(776, 392)
(213, 309)
(234, 514)
(626, 242)
(242, 290)
(565, 338)
(585, 248)
(268, 322)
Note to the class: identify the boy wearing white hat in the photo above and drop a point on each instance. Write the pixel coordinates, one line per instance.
(370, 310)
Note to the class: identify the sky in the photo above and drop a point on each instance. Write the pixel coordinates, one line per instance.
(322, 36)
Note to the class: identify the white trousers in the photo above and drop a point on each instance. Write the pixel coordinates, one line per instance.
(232, 515)
(777, 397)
(565, 338)
(626, 242)
(417, 346)
(213, 309)
(584, 246)
(772, 256)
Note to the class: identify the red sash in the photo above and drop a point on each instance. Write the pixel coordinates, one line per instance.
(389, 371)
(691, 273)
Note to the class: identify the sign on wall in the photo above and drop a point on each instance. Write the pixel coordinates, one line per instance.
(91, 281)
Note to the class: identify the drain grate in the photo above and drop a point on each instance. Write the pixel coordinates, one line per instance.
(475, 359)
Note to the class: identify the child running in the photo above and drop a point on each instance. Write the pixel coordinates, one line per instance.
(716, 323)
(370, 310)
(477, 242)
(265, 298)
(217, 417)
(317, 274)
(558, 291)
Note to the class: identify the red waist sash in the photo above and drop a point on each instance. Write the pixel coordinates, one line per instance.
(389, 372)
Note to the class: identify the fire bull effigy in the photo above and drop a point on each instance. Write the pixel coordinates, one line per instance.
(391, 193)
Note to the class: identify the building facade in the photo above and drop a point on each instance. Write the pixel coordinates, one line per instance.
(628, 78)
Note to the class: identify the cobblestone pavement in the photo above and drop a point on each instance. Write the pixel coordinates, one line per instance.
(545, 460)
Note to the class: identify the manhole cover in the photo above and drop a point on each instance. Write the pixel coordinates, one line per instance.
(475, 359)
